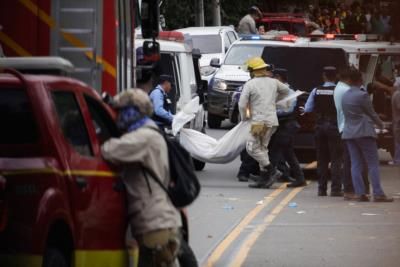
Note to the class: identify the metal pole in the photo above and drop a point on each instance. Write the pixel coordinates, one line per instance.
(201, 13)
(216, 13)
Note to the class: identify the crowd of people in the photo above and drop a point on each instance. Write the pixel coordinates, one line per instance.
(350, 19)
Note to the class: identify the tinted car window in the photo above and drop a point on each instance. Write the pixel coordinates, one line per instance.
(72, 123)
(207, 44)
(16, 118)
(103, 123)
(232, 36)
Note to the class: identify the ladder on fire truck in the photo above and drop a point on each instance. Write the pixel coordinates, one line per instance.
(78, 22)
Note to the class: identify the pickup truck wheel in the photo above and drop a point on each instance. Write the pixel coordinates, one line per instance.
(53, 257)
(186, 256)
(214, 122)
(198, 165)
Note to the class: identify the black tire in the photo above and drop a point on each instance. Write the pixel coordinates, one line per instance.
(214, 122)
(198, 165)
(53, 257)
(186, 256)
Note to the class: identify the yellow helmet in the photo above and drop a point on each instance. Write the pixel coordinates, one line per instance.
(256, 63)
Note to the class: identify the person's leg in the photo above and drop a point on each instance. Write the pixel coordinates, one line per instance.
(356, 166)
(321, 142)
(396, 158)
(369, 151)
(291, 158)
(145, 257)
(248, 166)
(336, 156)
(347, 181)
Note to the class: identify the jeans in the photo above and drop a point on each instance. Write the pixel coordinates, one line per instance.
(329, 149)
(361, 149)
(347, 180)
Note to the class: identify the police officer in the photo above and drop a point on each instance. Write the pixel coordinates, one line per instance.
(259, 97)
(162, 104)
(327, 137)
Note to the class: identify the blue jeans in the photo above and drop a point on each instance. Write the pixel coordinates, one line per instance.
(396, 158)
(360, 149)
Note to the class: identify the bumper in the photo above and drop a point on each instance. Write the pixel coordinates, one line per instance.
(219, 102)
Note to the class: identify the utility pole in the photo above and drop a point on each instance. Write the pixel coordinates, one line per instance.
(199, 13)
(216, 12)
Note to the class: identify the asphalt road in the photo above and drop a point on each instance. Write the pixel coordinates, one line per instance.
(233, 225)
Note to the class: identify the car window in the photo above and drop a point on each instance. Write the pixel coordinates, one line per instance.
(102, 122)
(16, 117)
(299, 29)
(280, 26)
(208, 44)
(239, 54)
(72, 123)
(232, 36)
(227, 42)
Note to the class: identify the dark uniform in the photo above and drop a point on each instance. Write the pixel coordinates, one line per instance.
(327, 136)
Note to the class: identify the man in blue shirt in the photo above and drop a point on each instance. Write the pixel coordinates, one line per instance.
(161, 102)
(327, 137)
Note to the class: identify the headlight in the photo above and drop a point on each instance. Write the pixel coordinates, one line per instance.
(219, 85)
(207, 70)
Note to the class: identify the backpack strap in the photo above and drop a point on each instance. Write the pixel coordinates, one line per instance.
(155, 178)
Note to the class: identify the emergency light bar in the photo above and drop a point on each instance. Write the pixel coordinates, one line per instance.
(331, 36)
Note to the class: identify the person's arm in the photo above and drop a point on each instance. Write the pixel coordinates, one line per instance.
(243, 102)
(128, 148)
(369, 110)
(157, 98)
(309, 106)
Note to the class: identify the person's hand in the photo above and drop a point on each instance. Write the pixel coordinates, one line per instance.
(302, 111)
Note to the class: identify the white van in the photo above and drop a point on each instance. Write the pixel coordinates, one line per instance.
(179, 60)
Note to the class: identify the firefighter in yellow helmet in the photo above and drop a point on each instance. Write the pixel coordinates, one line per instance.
(259, 96)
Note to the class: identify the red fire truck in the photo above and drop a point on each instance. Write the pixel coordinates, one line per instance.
(96, 36)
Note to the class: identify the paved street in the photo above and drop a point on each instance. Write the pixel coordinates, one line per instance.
(232, 225)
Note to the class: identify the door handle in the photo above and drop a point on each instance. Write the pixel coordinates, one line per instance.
(81, 182)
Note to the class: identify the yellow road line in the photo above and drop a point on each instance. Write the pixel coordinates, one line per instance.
(221, 248)
(49, 21)
(248, 244)
(13, 45)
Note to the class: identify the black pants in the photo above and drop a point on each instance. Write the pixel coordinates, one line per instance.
(347, 180)
(248, 165)
(329, 150)
(281, 150)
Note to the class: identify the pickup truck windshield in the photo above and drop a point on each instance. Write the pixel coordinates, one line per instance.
(304, 65)
(239, 54)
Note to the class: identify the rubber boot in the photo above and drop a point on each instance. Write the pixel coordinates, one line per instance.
(268, 176)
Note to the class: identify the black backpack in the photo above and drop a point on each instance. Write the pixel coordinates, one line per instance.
(184, 187)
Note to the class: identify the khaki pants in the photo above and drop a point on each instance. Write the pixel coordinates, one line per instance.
(159, 248)
(257, 145)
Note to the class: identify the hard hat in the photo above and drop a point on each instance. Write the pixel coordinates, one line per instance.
(255, 63)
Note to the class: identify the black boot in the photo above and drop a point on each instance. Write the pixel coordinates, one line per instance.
(268, 176)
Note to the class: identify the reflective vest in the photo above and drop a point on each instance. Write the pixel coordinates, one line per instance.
(324, 103)
(166, 105)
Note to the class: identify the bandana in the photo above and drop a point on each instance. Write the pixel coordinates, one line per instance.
(130, 119)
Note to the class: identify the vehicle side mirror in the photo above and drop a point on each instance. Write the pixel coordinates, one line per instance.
(196, 53)
(215, 63)
(150, 14)
(151, 51)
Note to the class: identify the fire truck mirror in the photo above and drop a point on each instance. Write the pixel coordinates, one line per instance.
(151, 51)
(150, 14)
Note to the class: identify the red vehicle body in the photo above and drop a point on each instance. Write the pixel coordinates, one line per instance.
(59, 200)
(96, 36)
(292, 23)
